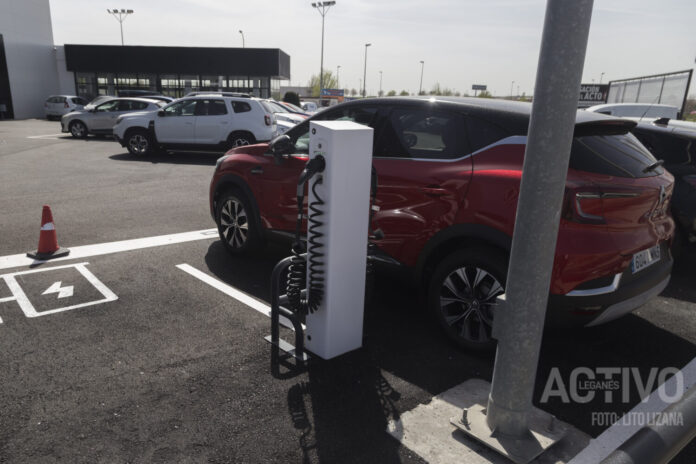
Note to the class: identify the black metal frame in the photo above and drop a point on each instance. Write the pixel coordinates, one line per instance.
(640, 80)
(278, 301)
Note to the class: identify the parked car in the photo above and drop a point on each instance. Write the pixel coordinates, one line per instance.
(100, 120)
(58, 105)
(309, 106)
(295, 109)
(674, 142)
(205, 122)
(636, 110)
(282, 113)
(449, 171)
(97, 100)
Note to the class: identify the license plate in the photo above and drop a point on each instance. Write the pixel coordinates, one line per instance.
(645, 258)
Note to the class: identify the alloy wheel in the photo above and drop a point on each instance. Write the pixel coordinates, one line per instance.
(138, 143)
(77, 129)
(239, 142)
(467, 298)
(234, 222)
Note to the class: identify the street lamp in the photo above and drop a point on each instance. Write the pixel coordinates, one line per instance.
(243, 44)
(420, 87)
(365, 71)
(380, 83)
(338, 68)
(120, 16)
(511, 85)
(322, 8)
(600, 77)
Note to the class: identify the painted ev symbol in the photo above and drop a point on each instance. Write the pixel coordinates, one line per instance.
(37, 290)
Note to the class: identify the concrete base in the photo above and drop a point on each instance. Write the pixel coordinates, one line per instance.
(427, 431)
(542, 434)
(44, 256)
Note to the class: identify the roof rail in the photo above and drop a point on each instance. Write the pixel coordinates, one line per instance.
(217, 92)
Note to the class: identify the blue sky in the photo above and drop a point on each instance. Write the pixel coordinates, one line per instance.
(462, 42)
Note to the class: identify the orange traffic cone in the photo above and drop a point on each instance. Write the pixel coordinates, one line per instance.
(48, 241)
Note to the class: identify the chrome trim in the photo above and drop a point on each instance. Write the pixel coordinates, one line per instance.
(578, 208)
(598, 291)
(611, 195)
(624, 307)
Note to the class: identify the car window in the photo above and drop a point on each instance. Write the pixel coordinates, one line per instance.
(361, 114)
(668, 147)
(52, 100)
(79, 101)
(181, 108)
(108, 106)
(422, 133)
(482, 133)
(240, 107)
(615, 155)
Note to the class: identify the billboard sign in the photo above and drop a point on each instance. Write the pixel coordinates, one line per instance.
(332, 92)
(664, 89)
(478, 87)
(592, 94)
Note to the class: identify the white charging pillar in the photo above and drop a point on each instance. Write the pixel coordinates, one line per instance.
(337, 326)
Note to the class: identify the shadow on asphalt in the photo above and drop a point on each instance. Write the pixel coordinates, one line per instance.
(203, 159)
(351, 400)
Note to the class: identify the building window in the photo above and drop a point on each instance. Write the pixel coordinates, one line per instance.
(189, 84)
(86, 85)
(169, 83)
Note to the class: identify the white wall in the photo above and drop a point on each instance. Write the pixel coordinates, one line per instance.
(31, 62)
(66, 79)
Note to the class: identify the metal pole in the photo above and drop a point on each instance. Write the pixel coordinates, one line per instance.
(121, 23)
(420, 87)
(519, 321)
(321, 66)
(338, 68)
(380, 83)
(600, 77)
(243, 43)
(511, 86)
(365, 72)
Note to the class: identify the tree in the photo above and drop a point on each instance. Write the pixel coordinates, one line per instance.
(353, 92)
(404, 93)
(485, 94)
(457, 94)
(391, 93)
(330, 82)
(292, 97)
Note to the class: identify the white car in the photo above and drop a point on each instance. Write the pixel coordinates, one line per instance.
(100, 120)
(636, 110)
(205, 122)
(309, 107)
(282, 113)
(58, 105)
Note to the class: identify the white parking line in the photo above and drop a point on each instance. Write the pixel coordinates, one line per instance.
(85, 251)
(228, 290)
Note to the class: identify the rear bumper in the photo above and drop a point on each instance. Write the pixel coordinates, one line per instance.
(626, 293)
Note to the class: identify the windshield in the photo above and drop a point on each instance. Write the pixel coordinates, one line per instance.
(293, 108)
(274, 107)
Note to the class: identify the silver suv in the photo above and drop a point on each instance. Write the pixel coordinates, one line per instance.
(101, 118)
(202, 122)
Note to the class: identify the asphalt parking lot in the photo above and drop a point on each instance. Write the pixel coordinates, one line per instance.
(138, 356)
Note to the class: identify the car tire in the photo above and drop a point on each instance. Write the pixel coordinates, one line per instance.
(240, 139)
(237, 223)
(139, 142)
(462, 294)
(78, 129)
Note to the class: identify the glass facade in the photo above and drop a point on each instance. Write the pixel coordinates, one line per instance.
(90, 85)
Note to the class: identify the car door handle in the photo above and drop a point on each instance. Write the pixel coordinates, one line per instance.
(434, 191)
(257, 170)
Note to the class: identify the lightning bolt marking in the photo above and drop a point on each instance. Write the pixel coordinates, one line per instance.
(61, 291)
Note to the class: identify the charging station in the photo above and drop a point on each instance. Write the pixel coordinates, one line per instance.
(324, 280)
(337, 327)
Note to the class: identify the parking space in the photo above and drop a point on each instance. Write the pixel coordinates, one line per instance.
(143, 348)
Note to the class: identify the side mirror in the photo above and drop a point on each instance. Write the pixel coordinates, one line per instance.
(161, 113)
(281, 145)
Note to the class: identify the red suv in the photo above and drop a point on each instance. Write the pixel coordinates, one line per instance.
(449, 174)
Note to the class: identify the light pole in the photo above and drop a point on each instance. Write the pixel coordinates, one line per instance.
(511, 85)
(243, 44)
(120, 16)
(322, 8)
(380, 83)
(365, 72)
(338, 68)
(600, 77)
(420, 86)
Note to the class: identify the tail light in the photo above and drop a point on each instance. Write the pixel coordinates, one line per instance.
(66, 105)
(583, 206)
(267, 119)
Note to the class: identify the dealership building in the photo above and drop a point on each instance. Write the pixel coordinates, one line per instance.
(33, 68)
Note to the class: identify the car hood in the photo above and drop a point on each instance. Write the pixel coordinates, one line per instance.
(138, 114)
(254, 150)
